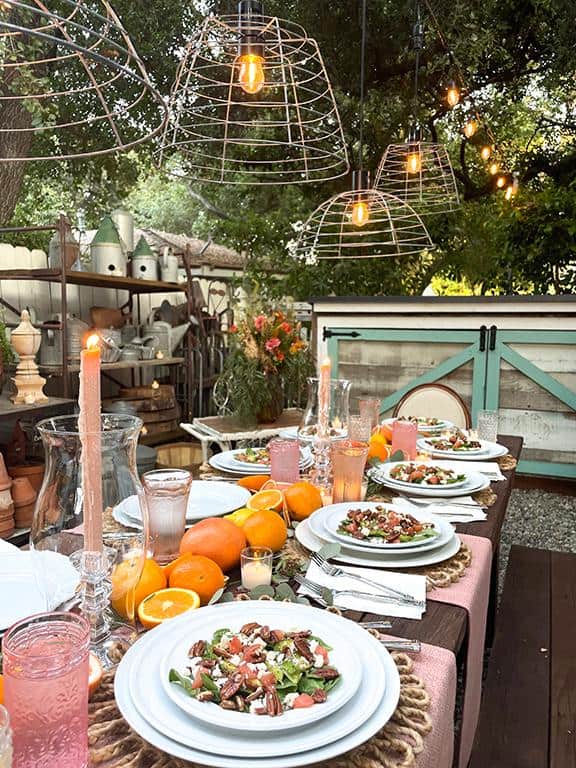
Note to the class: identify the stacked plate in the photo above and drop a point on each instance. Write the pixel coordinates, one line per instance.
(484, 452)
(229, 461)
(322, 527)
(468, 482)
(208, 498)
(426, 426)
(204, 733)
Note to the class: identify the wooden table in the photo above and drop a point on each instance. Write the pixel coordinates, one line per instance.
(446, 625)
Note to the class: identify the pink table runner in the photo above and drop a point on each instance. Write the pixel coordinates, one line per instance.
(471, 592)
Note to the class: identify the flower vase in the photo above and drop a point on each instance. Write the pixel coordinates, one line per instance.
(273, 410)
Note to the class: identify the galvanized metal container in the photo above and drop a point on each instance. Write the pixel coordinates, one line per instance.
(144, 263)
(108, 258)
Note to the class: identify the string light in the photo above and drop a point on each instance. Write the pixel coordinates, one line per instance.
(485, 152)
(414, 162)
(512, 189)
(494, 168)
(500, 182)
(470, 128)
(452, 94)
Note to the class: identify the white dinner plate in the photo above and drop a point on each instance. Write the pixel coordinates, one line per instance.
(33, 582)
(165, 717)
(342, 656)
(487, 452)
(208, 498)
(475, 482)
(224, 463)
(314, 543)
(326, 520)
(443, 425)
(335, 743)
(386, 470)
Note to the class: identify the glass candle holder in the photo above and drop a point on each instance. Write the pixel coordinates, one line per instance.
(46, 690)
(359, 428)
(256, 567)
(348, 462)
(487, 426)
(404, 437)
(284, 460)
(5, 739)
(370, 407)
(166, 492)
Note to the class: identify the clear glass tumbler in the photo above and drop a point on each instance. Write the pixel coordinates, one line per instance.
(167, 492)
(256, 567)
(370, 407)
(487, 426)
(348, 462)
(284, 460)
(360, 428)
(5, 739)
(404, 438)
(46, 690)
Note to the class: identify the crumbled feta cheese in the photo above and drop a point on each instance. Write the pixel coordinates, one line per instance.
(313, 645)
(258, 641)
(318, 660)
(289, 700)
(217, 672)
(365, 531)
(256, 704)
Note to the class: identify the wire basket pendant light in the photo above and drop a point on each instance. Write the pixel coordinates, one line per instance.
(71, 83)
(252, 104)
(417, 171)
(363, 223)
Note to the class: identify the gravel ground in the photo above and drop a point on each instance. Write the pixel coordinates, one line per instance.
(538, 519)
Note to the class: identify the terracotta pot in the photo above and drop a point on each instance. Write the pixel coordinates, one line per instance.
(5, 479)
(107, 317)
(34, 471)
(7, 513)
(23, 516)
(22, 492)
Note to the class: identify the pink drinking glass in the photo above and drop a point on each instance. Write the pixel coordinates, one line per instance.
(370, 408)
(404, 437)
(359, 428)
(46, 690)
(284, 461)
(348, 462)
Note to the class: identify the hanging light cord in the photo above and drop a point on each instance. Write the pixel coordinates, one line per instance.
(362, 79)
(418, 43)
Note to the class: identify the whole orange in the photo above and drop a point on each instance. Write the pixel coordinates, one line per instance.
(218, 539)
(199, 574)
(151, 580)
(385, 430)
(302, 499)
(266, 529)
(378, 448)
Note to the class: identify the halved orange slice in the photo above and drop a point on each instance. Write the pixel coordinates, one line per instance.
(166, 604)
(271, 498)
(95, 672)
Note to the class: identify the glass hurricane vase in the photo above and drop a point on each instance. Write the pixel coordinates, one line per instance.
(58, 525)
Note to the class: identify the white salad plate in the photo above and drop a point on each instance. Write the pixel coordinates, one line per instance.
(356, 722)
(33, 582)
(386, 471)
(208, 498)
(225, 462)
(325, 522)
(371, 559)
(424, 430)
(475, 481)
(486, 452)
(342, 656)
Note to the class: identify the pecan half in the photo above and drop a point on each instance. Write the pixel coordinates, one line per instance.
(228, 705)
(300, 633)
(264, 633)
(231, 686)
(247, 629)
(326, 673)
(205, 696)
(319, 696)
(257, 693)
(277, 636)
(240, 703)
(221, 652)
(208, 663)
(198, 648)
(273, 703)
(303, 648)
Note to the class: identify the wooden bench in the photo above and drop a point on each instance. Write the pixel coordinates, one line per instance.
(528, 715)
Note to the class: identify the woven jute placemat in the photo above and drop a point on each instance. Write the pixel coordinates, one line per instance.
(113, 744)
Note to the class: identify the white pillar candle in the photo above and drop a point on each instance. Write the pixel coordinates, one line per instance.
(256, 573)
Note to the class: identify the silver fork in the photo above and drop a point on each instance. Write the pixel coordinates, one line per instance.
(333, 570)
(319, 591)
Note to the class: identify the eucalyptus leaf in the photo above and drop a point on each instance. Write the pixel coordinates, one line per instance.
(216, 596)
(327, 596)
(263, 589)
(285, 591)
(302, 600)
(397, 456)
(330, 550)
(227, 597)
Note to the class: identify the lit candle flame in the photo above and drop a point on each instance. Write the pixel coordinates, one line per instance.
(93, 341)
(155, 385)
(143, 431)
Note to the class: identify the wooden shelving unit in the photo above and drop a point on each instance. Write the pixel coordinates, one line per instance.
(120, 365)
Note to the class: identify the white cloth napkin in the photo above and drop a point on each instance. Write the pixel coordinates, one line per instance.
(489, 468)
(469, 511)
(412, 585)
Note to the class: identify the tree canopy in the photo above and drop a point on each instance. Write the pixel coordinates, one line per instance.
(519, 63)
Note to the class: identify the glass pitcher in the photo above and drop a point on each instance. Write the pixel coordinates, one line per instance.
(338, 415)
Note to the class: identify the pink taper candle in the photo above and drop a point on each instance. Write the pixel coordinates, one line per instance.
(89, 400)
(324, 398)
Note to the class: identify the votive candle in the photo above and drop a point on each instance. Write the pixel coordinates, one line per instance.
(256, 567)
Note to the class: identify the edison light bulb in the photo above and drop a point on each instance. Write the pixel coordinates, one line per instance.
(470, 128)
(494, 168)
(485, 152)
(500, 181)
(360, 213)
(509, 192)
(251, 75)
(414, 162)
(452, 94)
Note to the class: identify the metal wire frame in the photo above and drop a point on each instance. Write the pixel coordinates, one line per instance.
(288, 133)
(393, 229)
(431, 189)
(73, 68)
